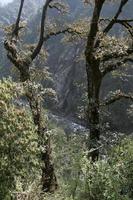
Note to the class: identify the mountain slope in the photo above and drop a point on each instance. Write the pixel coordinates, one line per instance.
(66, 73)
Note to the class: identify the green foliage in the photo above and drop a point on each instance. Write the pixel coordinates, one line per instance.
(109, 179)
(79, 179)
(18, 142)
(68, 151)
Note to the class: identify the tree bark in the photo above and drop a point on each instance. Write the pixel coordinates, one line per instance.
(94, 79)
(49, 180)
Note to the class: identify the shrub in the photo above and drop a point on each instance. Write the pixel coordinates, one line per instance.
(110, 179)
(79, 179)
(18, 141)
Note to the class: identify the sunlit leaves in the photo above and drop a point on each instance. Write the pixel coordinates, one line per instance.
(111, 45)
(79, 31)
(18, 144)
(59, 5)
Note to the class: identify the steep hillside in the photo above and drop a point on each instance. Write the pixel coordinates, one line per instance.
(69, 77)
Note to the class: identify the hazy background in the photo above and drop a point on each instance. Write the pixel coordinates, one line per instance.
(5, 1)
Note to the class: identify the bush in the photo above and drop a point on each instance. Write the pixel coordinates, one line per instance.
(79, 179)
(18, 142)
(110, 179)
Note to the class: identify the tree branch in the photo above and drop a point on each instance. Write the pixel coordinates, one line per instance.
(67, 30)
(115, 66)
(16, 29)
(113, 21)
(111, 68)
(126, 24)
(94, 27)
(41, 38)
(59, 6)
(117, 55)
(123, 22)
(118, 96)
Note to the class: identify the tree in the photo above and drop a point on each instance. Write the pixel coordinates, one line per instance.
(22, 58)
(23, 61)
(101, 60)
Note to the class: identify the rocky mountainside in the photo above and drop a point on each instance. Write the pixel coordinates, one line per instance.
(8, 15)
(8, 12)
(69, 76)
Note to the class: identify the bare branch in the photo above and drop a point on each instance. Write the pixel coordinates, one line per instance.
(41, 38)
(16, 29)
(113, 21)
(122, 20)
(94, 27)
(126, 24)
